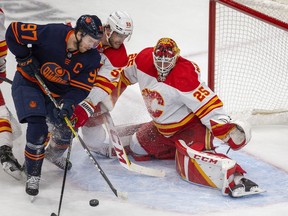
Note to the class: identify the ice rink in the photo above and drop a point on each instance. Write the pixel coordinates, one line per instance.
(264, 158)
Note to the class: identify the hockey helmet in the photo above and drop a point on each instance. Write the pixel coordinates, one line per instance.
(165, 55)
(120, 22)
(90, 25)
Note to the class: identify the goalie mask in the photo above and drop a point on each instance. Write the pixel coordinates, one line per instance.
(165, 55)
(121, 23)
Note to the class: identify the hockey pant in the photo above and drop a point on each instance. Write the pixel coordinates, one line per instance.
(158, 146)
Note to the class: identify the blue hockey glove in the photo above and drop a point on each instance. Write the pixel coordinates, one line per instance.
(66, 110)
(30, 65)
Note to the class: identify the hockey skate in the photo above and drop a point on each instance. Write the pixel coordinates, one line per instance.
(10, 163)
(32, 185)
(244, 188)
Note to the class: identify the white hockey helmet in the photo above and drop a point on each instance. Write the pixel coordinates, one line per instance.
(120, 22)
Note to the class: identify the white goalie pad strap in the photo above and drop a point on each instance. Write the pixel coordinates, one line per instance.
(203, 168)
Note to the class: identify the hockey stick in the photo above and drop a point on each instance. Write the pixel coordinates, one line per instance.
(121, 153)
(69, 148)
(5, 79)
(122, 195)
(64, 179)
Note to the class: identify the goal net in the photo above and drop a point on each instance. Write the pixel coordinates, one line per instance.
(248, 58)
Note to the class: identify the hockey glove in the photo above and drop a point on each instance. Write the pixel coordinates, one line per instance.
(82, 113)
(30, 65)
(236, 134)
(66, 110)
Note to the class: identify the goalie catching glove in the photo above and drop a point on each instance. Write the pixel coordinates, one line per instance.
(235, 133)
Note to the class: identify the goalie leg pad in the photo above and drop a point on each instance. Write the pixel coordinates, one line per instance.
(208, 169)
(94, 120)
(95, 139)
(10, 129)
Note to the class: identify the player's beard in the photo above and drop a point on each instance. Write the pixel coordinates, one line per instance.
(114, 44)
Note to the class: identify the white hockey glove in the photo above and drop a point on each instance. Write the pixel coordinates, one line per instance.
(235, 133)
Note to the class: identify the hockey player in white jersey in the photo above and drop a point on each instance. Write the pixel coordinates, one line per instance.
(9, 128)
(87, 114)
(103, 96)
(186, 116)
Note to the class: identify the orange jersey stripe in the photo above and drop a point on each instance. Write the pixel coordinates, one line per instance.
(34, 156)
(15, 31)
(80, 85)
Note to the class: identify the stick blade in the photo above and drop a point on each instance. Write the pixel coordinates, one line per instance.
(122, 195)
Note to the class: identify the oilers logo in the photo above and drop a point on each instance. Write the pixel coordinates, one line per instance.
(55, 73)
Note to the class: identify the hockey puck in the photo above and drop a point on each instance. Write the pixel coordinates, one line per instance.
(94, 202)
(53, 214)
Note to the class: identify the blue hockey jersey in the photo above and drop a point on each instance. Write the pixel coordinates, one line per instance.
(69, 75)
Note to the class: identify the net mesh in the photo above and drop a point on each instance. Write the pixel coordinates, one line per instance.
(251, 59)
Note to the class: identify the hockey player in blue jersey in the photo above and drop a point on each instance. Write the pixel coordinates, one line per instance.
(67, 61)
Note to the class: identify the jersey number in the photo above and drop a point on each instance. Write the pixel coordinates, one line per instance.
(201, 93)
(31, 31)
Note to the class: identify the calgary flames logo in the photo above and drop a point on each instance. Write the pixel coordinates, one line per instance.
(153, 101)
(55, 73)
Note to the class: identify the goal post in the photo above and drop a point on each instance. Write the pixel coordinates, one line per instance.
(248, 55)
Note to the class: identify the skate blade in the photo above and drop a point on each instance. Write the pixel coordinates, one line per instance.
(32, 198)
(17, 174)
(243, 193)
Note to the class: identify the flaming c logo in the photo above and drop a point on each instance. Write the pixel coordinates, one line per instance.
(55, 73)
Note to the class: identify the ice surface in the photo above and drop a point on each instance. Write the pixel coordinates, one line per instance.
(265, 158)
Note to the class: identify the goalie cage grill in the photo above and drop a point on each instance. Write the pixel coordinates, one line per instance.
(248, 58)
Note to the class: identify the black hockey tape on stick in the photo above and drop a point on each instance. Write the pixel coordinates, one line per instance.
(5, 79)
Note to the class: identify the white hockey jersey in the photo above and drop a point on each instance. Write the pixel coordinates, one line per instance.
(112, 63)
(176, 101)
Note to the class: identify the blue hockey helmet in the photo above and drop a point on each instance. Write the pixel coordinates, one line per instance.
(90, 25)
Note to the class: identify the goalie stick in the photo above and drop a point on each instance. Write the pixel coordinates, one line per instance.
(121, 153)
